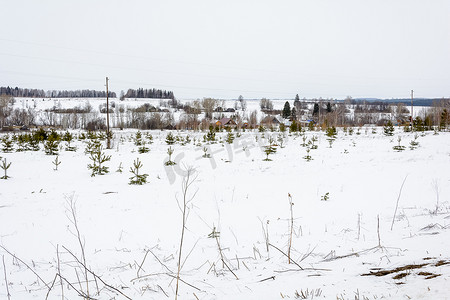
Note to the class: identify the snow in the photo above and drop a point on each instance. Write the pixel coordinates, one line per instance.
(239, 194)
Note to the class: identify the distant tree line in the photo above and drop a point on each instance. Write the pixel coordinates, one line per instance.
(37, 93)
(148, 93)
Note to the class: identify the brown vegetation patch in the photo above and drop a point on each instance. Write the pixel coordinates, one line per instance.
(396, 270)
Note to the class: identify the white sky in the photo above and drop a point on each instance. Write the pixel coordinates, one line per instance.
(210, 48)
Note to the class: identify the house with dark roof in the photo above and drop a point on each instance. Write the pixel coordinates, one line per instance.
(226, 122)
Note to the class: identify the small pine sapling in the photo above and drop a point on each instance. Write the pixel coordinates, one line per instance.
(92, 146)
(56, 162)
(68, 138)
(92, 135)
(170, 162)
(414, 143)
(350, 130)
(331, 132)
(270, 148)
(179, 139)
(308, 157)
(399, 147)
(22, 144)
(280, 140)
(149, 138)
(138, 139)
(210, 136)
(98, 158)
(51, 146)
(170, 139)
(33, 143)
(119, 168)
(7, 144)
(304, 144)
(388, 128)
(5, 166)
(312, 141)
(330, 142)
(137, 179)
(82, 136)
(205, 153)
(268, 151)
(325, 197)
(187, 139)
(230, 138)
(143, 148)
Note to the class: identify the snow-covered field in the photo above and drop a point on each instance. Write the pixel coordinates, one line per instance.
(344, 201)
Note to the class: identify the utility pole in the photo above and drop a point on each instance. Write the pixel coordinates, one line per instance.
(412, 115)
(108, 135)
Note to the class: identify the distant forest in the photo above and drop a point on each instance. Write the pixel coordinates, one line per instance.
(131, 93)
(36, 93)
(149, 93)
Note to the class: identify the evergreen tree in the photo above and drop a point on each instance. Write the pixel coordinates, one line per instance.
(7, 144)
(389, 128)
(211, 135)
(138, 179)
(230, 138)
(316, 109)
(418, 124)
(331, 132)
(294, 126)
(5, 166)
(170, 162)
(286, 110)
(98, 157)
(51, 145)
(329, 107)
(293, 114)
(68, 138)
(170, 139)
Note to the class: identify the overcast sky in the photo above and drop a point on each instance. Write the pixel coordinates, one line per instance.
(223, 49)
